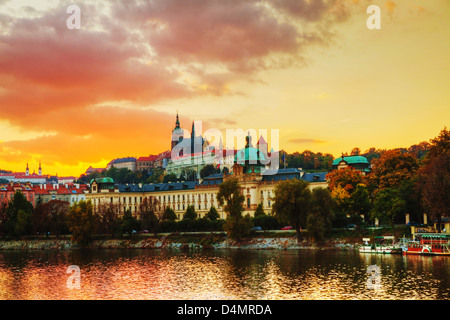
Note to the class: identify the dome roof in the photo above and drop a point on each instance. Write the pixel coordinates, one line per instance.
(351, 160)
(103, 180)
(249, 155)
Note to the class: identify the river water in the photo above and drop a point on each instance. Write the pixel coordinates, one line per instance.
(220, 275)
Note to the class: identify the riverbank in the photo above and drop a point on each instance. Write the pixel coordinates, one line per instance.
(209, 242)
(342, 240)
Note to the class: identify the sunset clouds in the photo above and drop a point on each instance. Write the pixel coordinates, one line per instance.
(111, 88)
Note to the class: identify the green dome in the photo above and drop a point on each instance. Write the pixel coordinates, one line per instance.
(103, 180)
(351, 160)
(249, 155)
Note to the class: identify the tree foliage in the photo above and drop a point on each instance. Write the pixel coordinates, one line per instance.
(292, 203)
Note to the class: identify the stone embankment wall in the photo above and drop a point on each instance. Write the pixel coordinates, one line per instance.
(163, 243)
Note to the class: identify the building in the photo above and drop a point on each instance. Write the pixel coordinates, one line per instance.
(8, 190)
(71, 193)
(357, 162)
(91, 170)
(128, 163)
(24, 177)
(188, 153)
(146, 163)
(257, 185)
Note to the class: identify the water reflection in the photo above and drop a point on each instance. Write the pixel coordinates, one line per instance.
(221, 274)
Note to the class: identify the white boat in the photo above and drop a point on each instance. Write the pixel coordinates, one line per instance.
(381, 244)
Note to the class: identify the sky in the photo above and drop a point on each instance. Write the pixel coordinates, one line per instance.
(309, 69)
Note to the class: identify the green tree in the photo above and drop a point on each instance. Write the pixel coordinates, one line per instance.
(169, 214)
(320, 218)
(150, 214)
(232, 200)
(82, 222)
(292, 203)
(388, 204)
(207, 170)
(190, 213)
(23, 223)
(259, 210)
(212, 214)
(19, 202)
(128, 223)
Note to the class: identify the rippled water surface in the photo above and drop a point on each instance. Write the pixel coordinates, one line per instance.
(227, 274)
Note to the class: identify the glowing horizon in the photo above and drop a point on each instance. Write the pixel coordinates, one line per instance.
(71, 99)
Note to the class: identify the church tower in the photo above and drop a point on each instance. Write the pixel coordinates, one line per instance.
(40, 169)
(27, 171)
(177, 133)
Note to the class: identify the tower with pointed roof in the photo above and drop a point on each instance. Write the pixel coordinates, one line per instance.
(40, 169)
(27, 171)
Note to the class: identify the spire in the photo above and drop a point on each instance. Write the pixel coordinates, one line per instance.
(177, 123)
(40, 169)
(27, 171)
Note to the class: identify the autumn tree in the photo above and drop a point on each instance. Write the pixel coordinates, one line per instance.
(396, 172)
(292, 201)
(232, 200)
(51, 217)
(347, 187)
(434, 178)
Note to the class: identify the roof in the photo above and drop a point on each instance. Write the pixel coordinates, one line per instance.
(149, 158)
(122, 160)
(351, 160)
(314, 177)
(156, 187)
(249, 154)
(103, 180)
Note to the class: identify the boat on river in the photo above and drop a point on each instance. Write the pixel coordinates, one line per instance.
(381, 244)
(434, 244)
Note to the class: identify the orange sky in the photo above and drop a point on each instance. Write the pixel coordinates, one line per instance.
(310, 69)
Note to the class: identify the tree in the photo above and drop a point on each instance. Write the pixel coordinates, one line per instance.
(434, 178)
(51, 217)
(19, 202)
(231, 198)
(292, 203)
(319, 219)
(207, 170)
(171, 177)
(387, 205)
(82, 222)
(190, 213)
(391, 170)
(128, 223)
(169, 214)
(23, 223)
(212, 214)
(259, 210)
(108, 214)
(150, 213)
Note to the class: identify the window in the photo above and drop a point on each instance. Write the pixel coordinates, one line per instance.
(248, 202)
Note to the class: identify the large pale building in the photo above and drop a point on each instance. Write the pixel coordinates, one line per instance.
(257, 185)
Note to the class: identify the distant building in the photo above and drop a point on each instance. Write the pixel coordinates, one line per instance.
(72, 193)
(91, 170)
(359, 163)
(146, 163)
(7, 191)
(24, 177)
(256, 185)
(128, 163)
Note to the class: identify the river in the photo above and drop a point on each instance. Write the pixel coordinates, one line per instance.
(116, 274)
